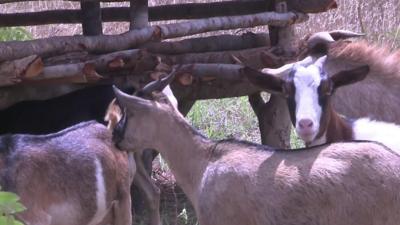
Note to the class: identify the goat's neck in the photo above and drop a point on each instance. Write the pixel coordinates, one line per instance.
(186, 152)
(337, 129)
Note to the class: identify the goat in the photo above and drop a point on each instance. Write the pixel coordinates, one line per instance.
(114, 114)
(48, 116)
(364, 98)
(308, 89)
(52, 115)
(234, 183)
(72, 177)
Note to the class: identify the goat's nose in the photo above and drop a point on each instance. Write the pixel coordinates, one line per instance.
(305, 123)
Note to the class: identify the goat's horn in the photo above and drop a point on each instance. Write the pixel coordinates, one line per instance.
(323, 38)
(160, 84)
(344, 34)
(284, 70)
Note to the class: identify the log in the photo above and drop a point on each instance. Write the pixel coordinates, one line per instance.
(137, 62)
(88, 71)
(210, 44)
(13, 72)
(91, 18)
(306, 6)
(122, 14)
(273, 116)
(255, 57)
(57, 45)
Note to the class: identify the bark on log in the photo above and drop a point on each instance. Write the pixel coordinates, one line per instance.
(13, 72)
(58, 45)
(306, 6)
(210, 44)
(91, 18)
(84, 71)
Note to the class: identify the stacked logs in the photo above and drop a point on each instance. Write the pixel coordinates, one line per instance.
(94, 59)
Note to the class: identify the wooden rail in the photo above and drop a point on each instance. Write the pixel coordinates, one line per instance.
(122, 14)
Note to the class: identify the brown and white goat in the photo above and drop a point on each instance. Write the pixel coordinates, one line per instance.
(308, 89)
(235, 183)
(377, 95)
(142, 178)
(73, 177)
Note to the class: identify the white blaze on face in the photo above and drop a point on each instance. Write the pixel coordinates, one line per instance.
(307, 81)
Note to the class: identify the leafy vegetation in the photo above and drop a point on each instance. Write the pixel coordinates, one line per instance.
(9, 206)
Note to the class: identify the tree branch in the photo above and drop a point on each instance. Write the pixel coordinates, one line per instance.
(58, 45)
(210, 44)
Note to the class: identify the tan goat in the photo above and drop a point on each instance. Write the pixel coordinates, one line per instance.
(142, 179)
(239, 183)
(73, 177)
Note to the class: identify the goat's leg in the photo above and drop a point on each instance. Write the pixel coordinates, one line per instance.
(151, 192)
(122, 213)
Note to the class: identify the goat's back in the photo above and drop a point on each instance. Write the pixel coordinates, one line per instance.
(58, 173)
(338, 184)
(377, 95)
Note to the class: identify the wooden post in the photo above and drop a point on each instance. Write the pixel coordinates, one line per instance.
(91, 15)
(273, 116)
(139, 14)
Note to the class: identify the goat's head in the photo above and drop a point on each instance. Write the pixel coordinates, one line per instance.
(307, 88)
(138, 123)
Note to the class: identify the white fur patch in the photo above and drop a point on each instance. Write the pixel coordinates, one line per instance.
(100, 194)
(171, 97)
(307, 81)
(385, 133)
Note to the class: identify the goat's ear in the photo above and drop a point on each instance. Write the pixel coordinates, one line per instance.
(349, 76)
(130, 102)
(265, 81)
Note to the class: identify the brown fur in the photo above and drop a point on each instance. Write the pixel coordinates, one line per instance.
(51, 172)
(337, 129)
(378, 95)
(237, 183)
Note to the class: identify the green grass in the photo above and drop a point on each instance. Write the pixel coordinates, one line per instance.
(14, 34)
(231, 117)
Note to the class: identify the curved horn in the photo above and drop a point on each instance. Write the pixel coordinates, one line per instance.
(160, 84)
(318, 42)
(344, 34)
(284, 70)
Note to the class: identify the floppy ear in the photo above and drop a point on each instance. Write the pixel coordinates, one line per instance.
(131, 103)
(265, 81)
(349, 76)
